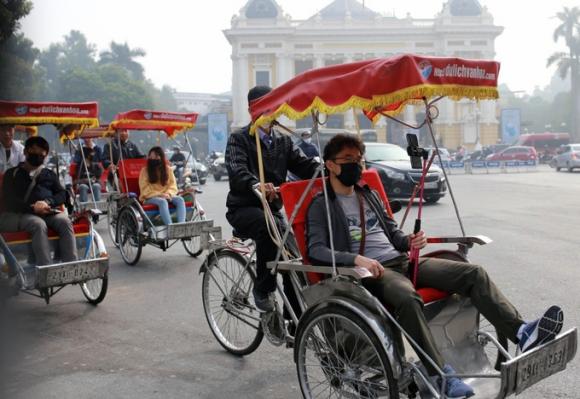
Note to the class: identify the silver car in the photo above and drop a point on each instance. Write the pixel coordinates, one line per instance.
(568, 157)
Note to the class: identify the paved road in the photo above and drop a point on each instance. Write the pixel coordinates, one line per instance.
(149, 338)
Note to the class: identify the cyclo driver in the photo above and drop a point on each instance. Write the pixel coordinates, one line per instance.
(245, 212)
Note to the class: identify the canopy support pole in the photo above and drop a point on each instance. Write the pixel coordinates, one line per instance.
(325, 190)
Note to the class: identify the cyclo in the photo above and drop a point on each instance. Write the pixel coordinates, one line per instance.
(20, 272)
(74, 169)
(346, 343)
(133, 224)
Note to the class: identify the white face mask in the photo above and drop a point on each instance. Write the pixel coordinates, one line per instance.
(307, 140)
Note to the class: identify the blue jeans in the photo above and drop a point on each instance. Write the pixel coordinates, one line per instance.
(163, 206)
(84, 192)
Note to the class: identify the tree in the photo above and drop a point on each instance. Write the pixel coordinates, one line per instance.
(20, 80)
(123, 56)
(569, 62)
(11, 11)
(77, 51)
(163, 99)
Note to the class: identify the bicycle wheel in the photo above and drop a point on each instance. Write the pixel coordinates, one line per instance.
(228, 303)
(112, 219)
(128, 234)
(338, 355)
(95, 290)
(193, 245)
(491, 351)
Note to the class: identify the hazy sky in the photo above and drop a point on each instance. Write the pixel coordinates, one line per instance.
(187, 49)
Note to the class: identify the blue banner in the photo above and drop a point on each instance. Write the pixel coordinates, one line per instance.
(493, 164)
(510, 125)
(217, 132)
(478, 164)
(456, 164)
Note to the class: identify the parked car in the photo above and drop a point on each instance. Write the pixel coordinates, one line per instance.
(546, 143)
(190, 168)
(217, 166)
(568, 157)
(444, 152)
(397, 176)
(515, 153)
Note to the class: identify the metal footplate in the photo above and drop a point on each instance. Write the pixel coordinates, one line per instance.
(70, 272)
(520, 373)
(177, 231)
(100, 205)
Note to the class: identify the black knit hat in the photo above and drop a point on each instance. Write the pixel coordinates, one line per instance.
(257, 92)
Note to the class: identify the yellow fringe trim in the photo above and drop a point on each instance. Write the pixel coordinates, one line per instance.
(180, 125)
(404, 96)
(43, 120)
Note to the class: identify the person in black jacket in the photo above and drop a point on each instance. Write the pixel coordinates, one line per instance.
(129, 150)
(245, 211)
(365, 236)
(32, 195)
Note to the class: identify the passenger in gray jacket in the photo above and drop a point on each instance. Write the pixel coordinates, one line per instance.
(365, 236)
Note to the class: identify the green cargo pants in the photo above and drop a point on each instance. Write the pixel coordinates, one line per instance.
(396, 292)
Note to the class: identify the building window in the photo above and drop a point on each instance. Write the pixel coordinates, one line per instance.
(335, 121)
(364, 122)
(334, 61)
(249, 45)
(304, 123)
(303, 46)
(301, 66)
(455, 43)
(262, 78)
(479, 42)
(273, 45)
(424, 44)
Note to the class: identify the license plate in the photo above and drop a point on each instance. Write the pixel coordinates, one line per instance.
(185, 230)
(74, 273)
(431, 185)
(541, 364)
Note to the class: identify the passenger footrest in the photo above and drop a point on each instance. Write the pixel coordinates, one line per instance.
(70, 272)
(178, 231)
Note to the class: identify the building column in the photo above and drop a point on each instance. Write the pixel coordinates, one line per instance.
(240, 87)
(349, 122)
(284, 68)
(318, 61)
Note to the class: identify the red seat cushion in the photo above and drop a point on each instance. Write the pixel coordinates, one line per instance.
(291, 193)
(151, 207)
(80, 229)
(431, 294)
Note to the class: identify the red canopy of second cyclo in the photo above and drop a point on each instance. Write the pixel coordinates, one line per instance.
(384, 85)
(169, 122)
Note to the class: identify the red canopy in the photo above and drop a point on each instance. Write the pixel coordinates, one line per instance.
(40, 113)
(169, 122)
(385, 84)
(90, 133)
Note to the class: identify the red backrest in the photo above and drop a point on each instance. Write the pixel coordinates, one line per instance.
(73, 170)
(291, 193)
(130, 169)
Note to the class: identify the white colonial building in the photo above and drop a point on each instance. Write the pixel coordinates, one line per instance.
(269, 48)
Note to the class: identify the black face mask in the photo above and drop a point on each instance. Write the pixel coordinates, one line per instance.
(35, 159)
(350, 173)
(154, 162)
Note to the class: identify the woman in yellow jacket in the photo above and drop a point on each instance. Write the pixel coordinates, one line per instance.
(158, 187)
